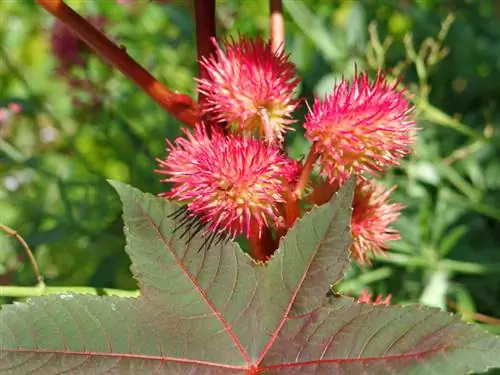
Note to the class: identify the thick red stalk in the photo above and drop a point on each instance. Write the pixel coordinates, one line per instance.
(305, 173)
(204, 13)
(322, 193)
(277, 25)
(180, 106)
(292, 209)
(261, 249)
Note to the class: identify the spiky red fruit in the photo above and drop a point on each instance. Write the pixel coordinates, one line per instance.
(230, 182)
(371, 218)
(250, 87)
(360, 127)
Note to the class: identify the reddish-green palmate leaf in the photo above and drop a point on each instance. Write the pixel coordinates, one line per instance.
(219, 312)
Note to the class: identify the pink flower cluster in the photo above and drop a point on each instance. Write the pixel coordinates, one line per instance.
(235, 176)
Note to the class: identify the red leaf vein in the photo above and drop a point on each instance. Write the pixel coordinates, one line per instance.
(199, 289)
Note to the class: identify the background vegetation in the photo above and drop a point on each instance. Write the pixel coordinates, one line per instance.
(56, 154)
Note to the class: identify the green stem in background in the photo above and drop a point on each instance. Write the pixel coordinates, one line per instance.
(17, 236)
(11, 152)
(364, 279)
(475, 316)
(435, 115)
(35, 291)
(459, 182)
(482, 208)
(277, 26)
(180, 106)
(446, 264)
(464, 152)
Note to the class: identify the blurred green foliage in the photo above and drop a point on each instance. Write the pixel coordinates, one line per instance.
(55, 156)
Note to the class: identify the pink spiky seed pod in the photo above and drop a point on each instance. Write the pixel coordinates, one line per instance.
(230, 183)
(372, 216)
(360, 127)
(250, 87)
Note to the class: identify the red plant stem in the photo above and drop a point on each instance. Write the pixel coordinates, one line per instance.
(181, 106)
(261, 248)
(476, 316)
(281, 230)
(305, 173)
(204, 13)
(292, 210)
(322, 193)
(277, 26)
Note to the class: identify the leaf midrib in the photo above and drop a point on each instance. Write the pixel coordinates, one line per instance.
(224, 323)
(297, 289)
(126, 356)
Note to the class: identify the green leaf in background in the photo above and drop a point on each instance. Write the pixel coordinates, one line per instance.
(435, 291)
(356, 27)
(219, 312)
(331, 47)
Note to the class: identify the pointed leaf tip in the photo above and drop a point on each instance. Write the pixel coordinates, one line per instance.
(315, 251)
(121, 188)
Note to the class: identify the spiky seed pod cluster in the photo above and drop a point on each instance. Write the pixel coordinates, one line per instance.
(239, 183)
